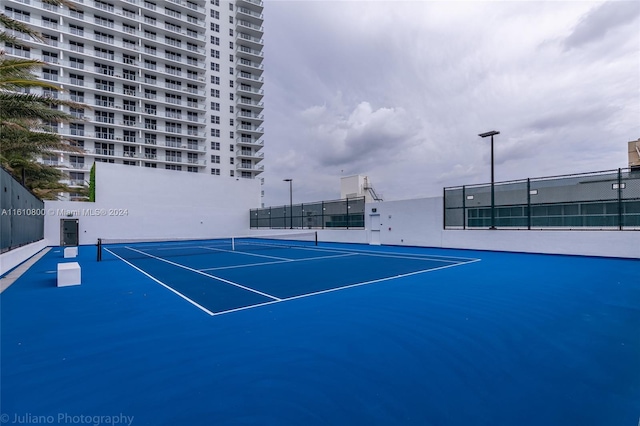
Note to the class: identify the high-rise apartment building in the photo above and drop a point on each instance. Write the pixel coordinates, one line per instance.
(173, 84)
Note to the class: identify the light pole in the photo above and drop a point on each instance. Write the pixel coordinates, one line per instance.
(493, 194)
(290, 201)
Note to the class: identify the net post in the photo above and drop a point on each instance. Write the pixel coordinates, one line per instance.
(316, 242)
(233, 244)
(99, 246)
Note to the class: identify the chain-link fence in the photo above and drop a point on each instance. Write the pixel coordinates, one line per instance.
(21, 214)
(344, 214)
(599, 200)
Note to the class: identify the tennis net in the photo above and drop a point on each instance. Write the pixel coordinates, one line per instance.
(170, 247)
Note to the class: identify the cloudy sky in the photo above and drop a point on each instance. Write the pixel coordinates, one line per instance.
(399, 90)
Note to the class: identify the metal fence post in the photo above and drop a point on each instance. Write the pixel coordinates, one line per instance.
(347, 213)
(464, 207)
(444, 208)
(620, 216)
(528, 203)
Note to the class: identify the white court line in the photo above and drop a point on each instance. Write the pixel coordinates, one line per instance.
(345, 287)
(162, 284)
(280, 261)
(388, 254)
(245, 253)
(206, 275)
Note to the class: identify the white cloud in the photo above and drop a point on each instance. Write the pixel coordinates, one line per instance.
(362, 138)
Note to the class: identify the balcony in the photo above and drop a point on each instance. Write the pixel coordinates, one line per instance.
(249, 115)
(74, 182)
(250, 154)
(251, 78)
(245, 14)
(249, 53)
(249, 142)
(244, 90)
(250, 28)
(251, 3)
(249, 66)
(247, 39)
(247, 128)
(246, 167)
(251, 103)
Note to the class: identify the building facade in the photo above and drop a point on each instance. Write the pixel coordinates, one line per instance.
(173, 84)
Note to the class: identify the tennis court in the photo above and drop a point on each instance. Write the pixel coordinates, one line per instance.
(221, 276)
(202, 333)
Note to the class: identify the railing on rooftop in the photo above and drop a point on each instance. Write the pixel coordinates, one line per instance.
(607, 200)
(336, 214)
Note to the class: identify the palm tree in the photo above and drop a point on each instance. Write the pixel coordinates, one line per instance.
(26, 120)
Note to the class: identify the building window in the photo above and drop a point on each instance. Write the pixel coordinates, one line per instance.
(215, 159)
(150, 138)
(215, 146)
(104, 148)
(150, 153)
(129, 151)
(129, 135)
(215, 172)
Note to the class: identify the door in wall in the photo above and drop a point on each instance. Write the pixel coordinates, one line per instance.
(374, 235)
(69, 232)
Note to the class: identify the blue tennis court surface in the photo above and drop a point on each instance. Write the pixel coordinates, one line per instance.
(221, 280)
(334, 334)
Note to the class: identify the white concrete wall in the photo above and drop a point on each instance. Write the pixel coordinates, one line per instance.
(13, 258)
(134, 202)
(352, 186)
(419, 222)
(358, 236)
(416, 222)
